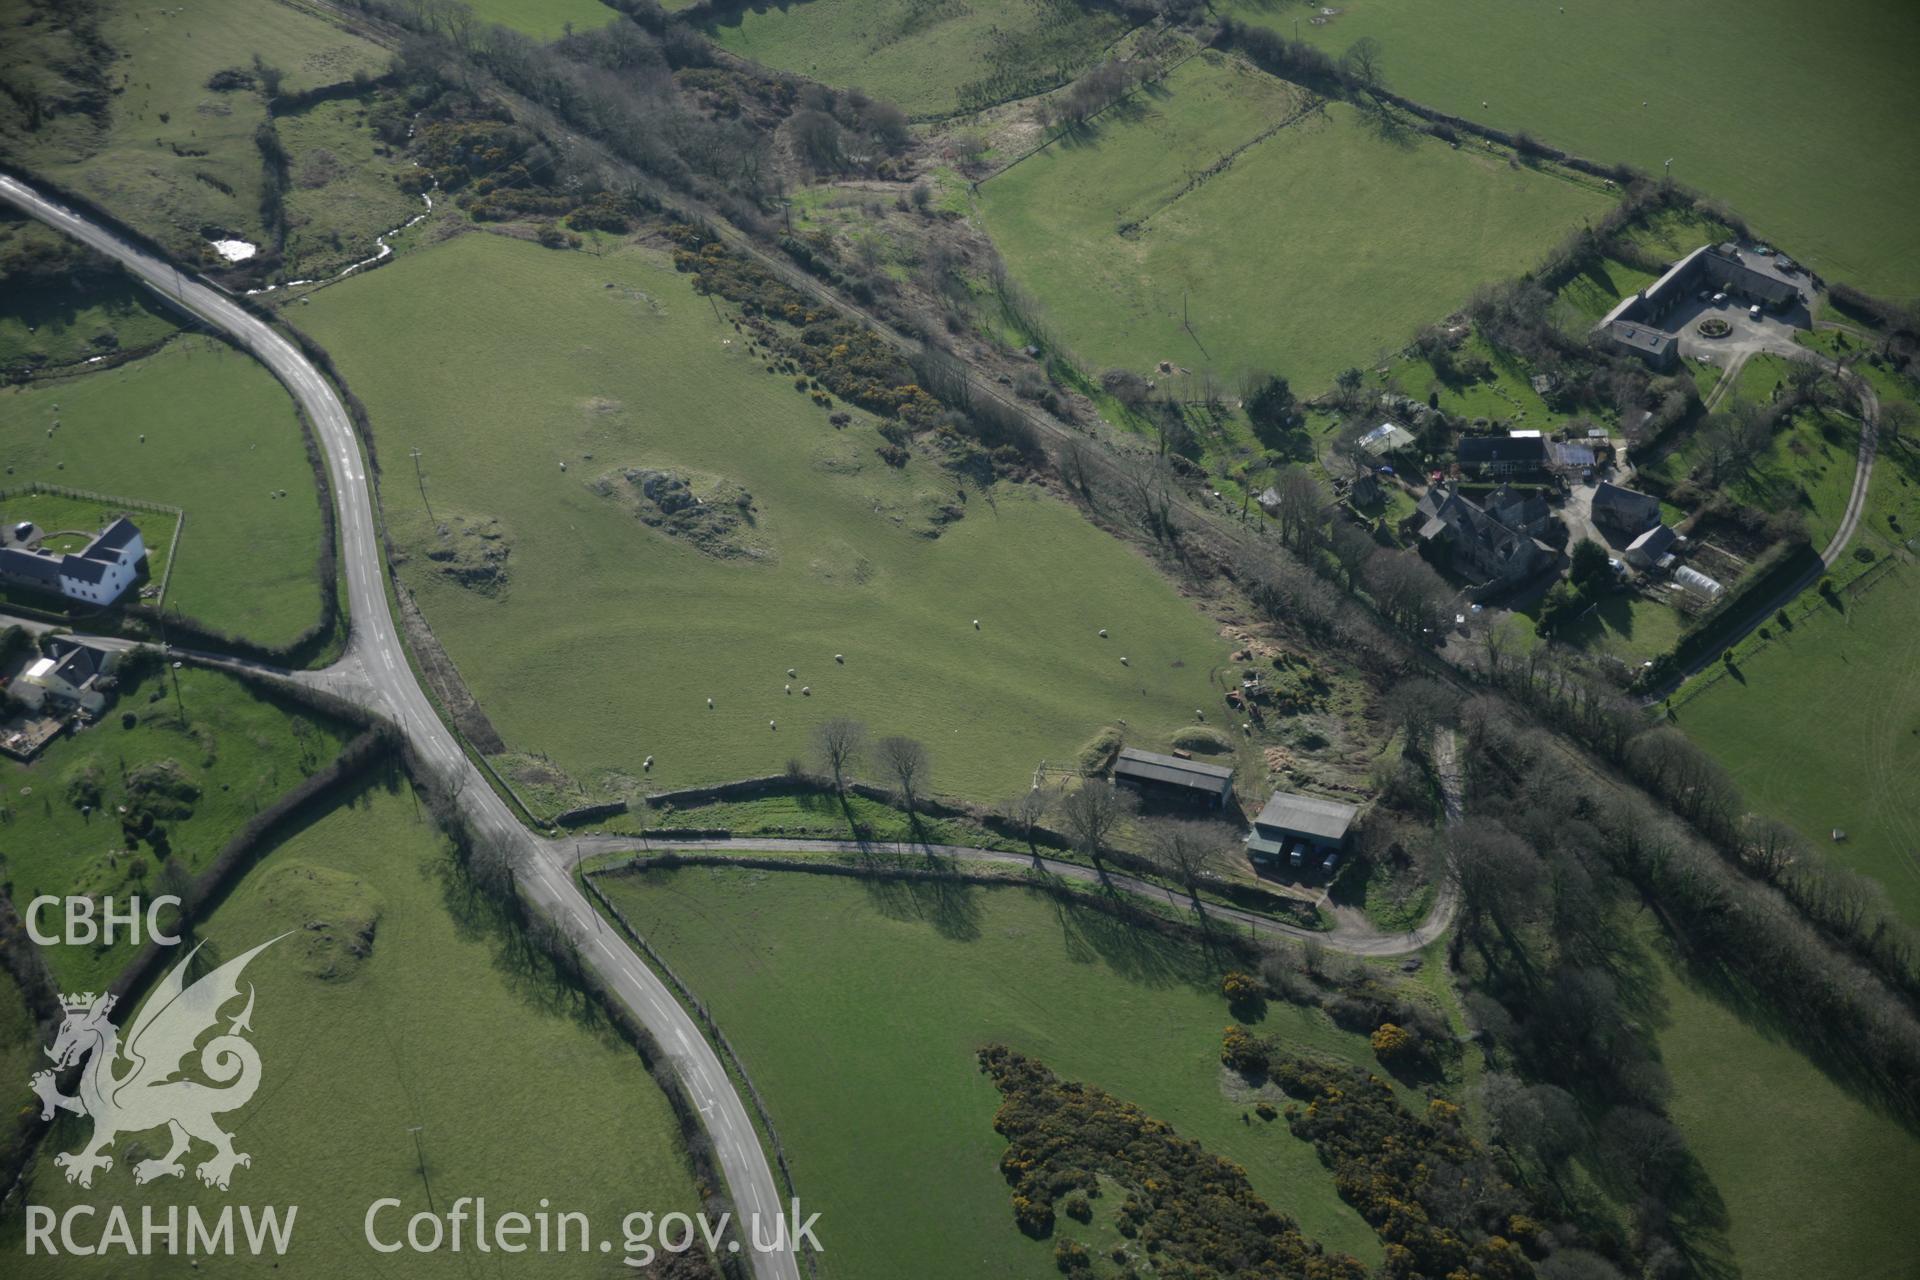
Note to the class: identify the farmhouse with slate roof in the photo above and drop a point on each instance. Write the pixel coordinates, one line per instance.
(1474, 544)
(97, 574)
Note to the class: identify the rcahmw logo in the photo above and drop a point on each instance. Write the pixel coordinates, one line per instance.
(136, 1087)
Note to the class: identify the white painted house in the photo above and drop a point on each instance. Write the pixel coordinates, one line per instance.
(99, 573)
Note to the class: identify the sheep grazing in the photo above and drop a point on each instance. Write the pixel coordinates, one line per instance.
(1103, 633)
(976, 624)
(647, 764)
(789, 690)
(791, 673)
(1123, 662)
(1198, 714)
(772, 725)
(839, 657)
(806, 691)
(709, 704)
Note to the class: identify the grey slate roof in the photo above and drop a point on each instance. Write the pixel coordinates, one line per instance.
(112, 540)
(1153, 767)
(27, 564)
(1307, 815)
(1625, 506)
(1484, 449)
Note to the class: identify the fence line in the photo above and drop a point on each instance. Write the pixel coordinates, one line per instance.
(89, 495)
(1799, 611)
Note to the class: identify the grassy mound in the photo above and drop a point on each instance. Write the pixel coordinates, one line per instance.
(334, 912)
(1097, 752)
(1203, 738)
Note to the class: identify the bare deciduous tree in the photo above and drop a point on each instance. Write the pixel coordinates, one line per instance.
(1407, 591)
(1188, 851)
(1091, 811)
(1362, 60)
(1028, 809)
(906, 762)
(1301, 508)
(840, 742)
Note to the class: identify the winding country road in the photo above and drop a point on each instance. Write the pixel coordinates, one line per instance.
(374, 674)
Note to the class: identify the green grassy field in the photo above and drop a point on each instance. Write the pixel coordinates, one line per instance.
(170, 155)
(439, 1026)
(238, 750)
(221, 441)
(858, 1008)
(609, 637)
(1815, 1183)
(1795, 117)
(1323, 246)
(919, 53)
(1850, 687)
(544, 19)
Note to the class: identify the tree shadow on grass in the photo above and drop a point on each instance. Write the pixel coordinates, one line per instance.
(945, 901)
(1836, 1056)
(1141, 954)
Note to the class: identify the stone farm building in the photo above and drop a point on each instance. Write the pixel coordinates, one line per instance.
(1173, 779)
(1291, 820)
(1475, 545)
(98, 573)
(1522, 454)
(1646, 324)
(1624, 510)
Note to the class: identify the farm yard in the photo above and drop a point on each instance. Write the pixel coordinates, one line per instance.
(191, 785)
(199, 426)
(1800, 125)
(858, 1007)
(1321, 245)
(932, 57)
(596, 640)
(403, 1011)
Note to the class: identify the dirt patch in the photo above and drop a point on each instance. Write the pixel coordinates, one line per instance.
(715, 516)
(471, 552)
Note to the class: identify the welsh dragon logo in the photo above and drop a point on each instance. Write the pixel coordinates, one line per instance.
(136, 1087)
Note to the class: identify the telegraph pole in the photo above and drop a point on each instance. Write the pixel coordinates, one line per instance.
(421, 1155)
(421, 479)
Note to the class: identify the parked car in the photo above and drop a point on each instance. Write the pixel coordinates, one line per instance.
(1296, 853)
(1332, 863)
(1719, 299)
(1754, 311)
